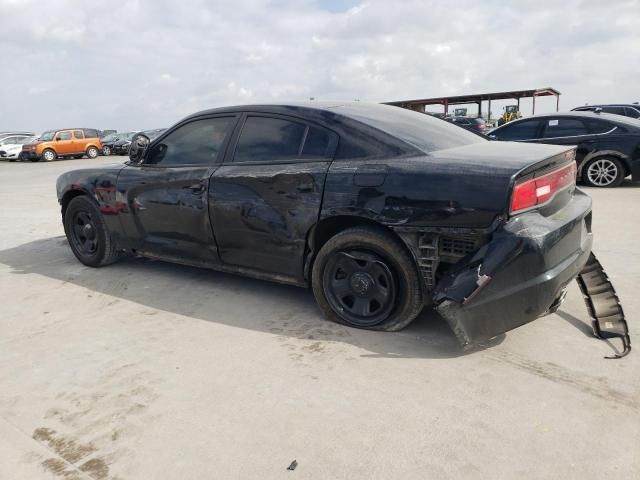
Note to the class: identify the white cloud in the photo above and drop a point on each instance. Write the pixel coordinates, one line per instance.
(143, 63)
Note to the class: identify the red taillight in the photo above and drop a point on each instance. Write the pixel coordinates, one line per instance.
(539, 190)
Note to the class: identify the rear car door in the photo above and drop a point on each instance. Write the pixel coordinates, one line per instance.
(568, 131)
(166, 210)
(268, 194)
(78, 141)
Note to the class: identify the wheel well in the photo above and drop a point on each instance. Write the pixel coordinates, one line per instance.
(67, 197)
(329, 227)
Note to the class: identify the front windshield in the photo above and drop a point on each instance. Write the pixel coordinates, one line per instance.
(128, 136)
(47, 136)
(110, 138)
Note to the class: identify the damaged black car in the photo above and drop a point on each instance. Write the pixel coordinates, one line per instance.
(381, 211)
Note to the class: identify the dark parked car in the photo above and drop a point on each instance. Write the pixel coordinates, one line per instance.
(628, 110)
(477, 125)
(107, 143)
(122, 143)
(381, 210)
(608, 146)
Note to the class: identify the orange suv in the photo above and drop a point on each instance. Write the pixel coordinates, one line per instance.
(68, 142)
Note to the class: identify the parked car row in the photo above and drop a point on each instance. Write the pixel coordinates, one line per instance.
(119, 143)
(66, 143)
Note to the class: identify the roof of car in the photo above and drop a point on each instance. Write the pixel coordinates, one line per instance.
(634, 105)
(587, 114)
(310, 107)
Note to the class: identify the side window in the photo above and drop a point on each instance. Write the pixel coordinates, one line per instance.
(614, 110)
(317, 143)
(264, 139)
(632, 112)
(196, 143)
(523, 130)
(600, 126)
(63, 135)
(564, 127)
(90, 133)
(78, 134)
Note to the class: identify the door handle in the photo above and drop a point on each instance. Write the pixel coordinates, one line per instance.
(305, 187)
(197, 187)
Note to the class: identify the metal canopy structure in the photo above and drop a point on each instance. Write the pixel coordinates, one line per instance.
(420, 104)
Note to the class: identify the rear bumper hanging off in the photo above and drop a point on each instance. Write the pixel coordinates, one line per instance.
(519, 275)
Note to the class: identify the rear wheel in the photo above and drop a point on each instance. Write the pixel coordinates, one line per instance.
(48, 155)
(87, 233)
(363, 277)
(92, 152)
(106, 150)
(603, 172)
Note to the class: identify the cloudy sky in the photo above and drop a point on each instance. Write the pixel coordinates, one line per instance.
(138, 64)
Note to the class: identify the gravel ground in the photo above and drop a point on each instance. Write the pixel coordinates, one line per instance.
(146, 370)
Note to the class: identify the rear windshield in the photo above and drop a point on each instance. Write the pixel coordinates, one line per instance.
(425, 132)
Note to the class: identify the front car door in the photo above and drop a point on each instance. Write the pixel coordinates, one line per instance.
(266, 197)
(64, 142)
(520, 131)
(164, 199)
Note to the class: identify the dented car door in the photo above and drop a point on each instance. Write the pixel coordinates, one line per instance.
(267, 195)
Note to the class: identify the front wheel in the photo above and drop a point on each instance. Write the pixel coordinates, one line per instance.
(48, 155)
(106, 150)
(603, 172)
(364, 278)
(87, 233)
(92, 152)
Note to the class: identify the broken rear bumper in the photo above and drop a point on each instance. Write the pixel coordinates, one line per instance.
(519, 274)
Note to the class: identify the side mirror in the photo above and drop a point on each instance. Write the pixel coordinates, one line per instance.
(139, 144)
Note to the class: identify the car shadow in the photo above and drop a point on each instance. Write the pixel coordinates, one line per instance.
(202, 294)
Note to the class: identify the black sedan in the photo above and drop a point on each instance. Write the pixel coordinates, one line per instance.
(121, 145)
(608, 146)
(381, 210)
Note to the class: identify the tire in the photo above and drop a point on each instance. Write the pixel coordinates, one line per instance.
(92, 152)
(48, 155)
(603, 172)
(353, 270)
(91, 245)
(106, 150)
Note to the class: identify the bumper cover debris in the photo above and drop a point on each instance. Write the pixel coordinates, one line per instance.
(607, 316)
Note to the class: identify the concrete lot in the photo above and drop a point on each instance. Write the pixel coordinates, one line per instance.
(145, 370)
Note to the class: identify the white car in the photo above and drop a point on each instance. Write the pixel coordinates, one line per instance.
(11, 147)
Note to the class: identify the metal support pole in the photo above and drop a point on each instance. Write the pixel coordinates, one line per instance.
(489, 111)
(480, 109)
(557, 102)
(533, 108)
(446, 107)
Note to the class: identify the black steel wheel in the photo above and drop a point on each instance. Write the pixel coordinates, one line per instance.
(87, 233)
(365, 278)
(360, 285)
